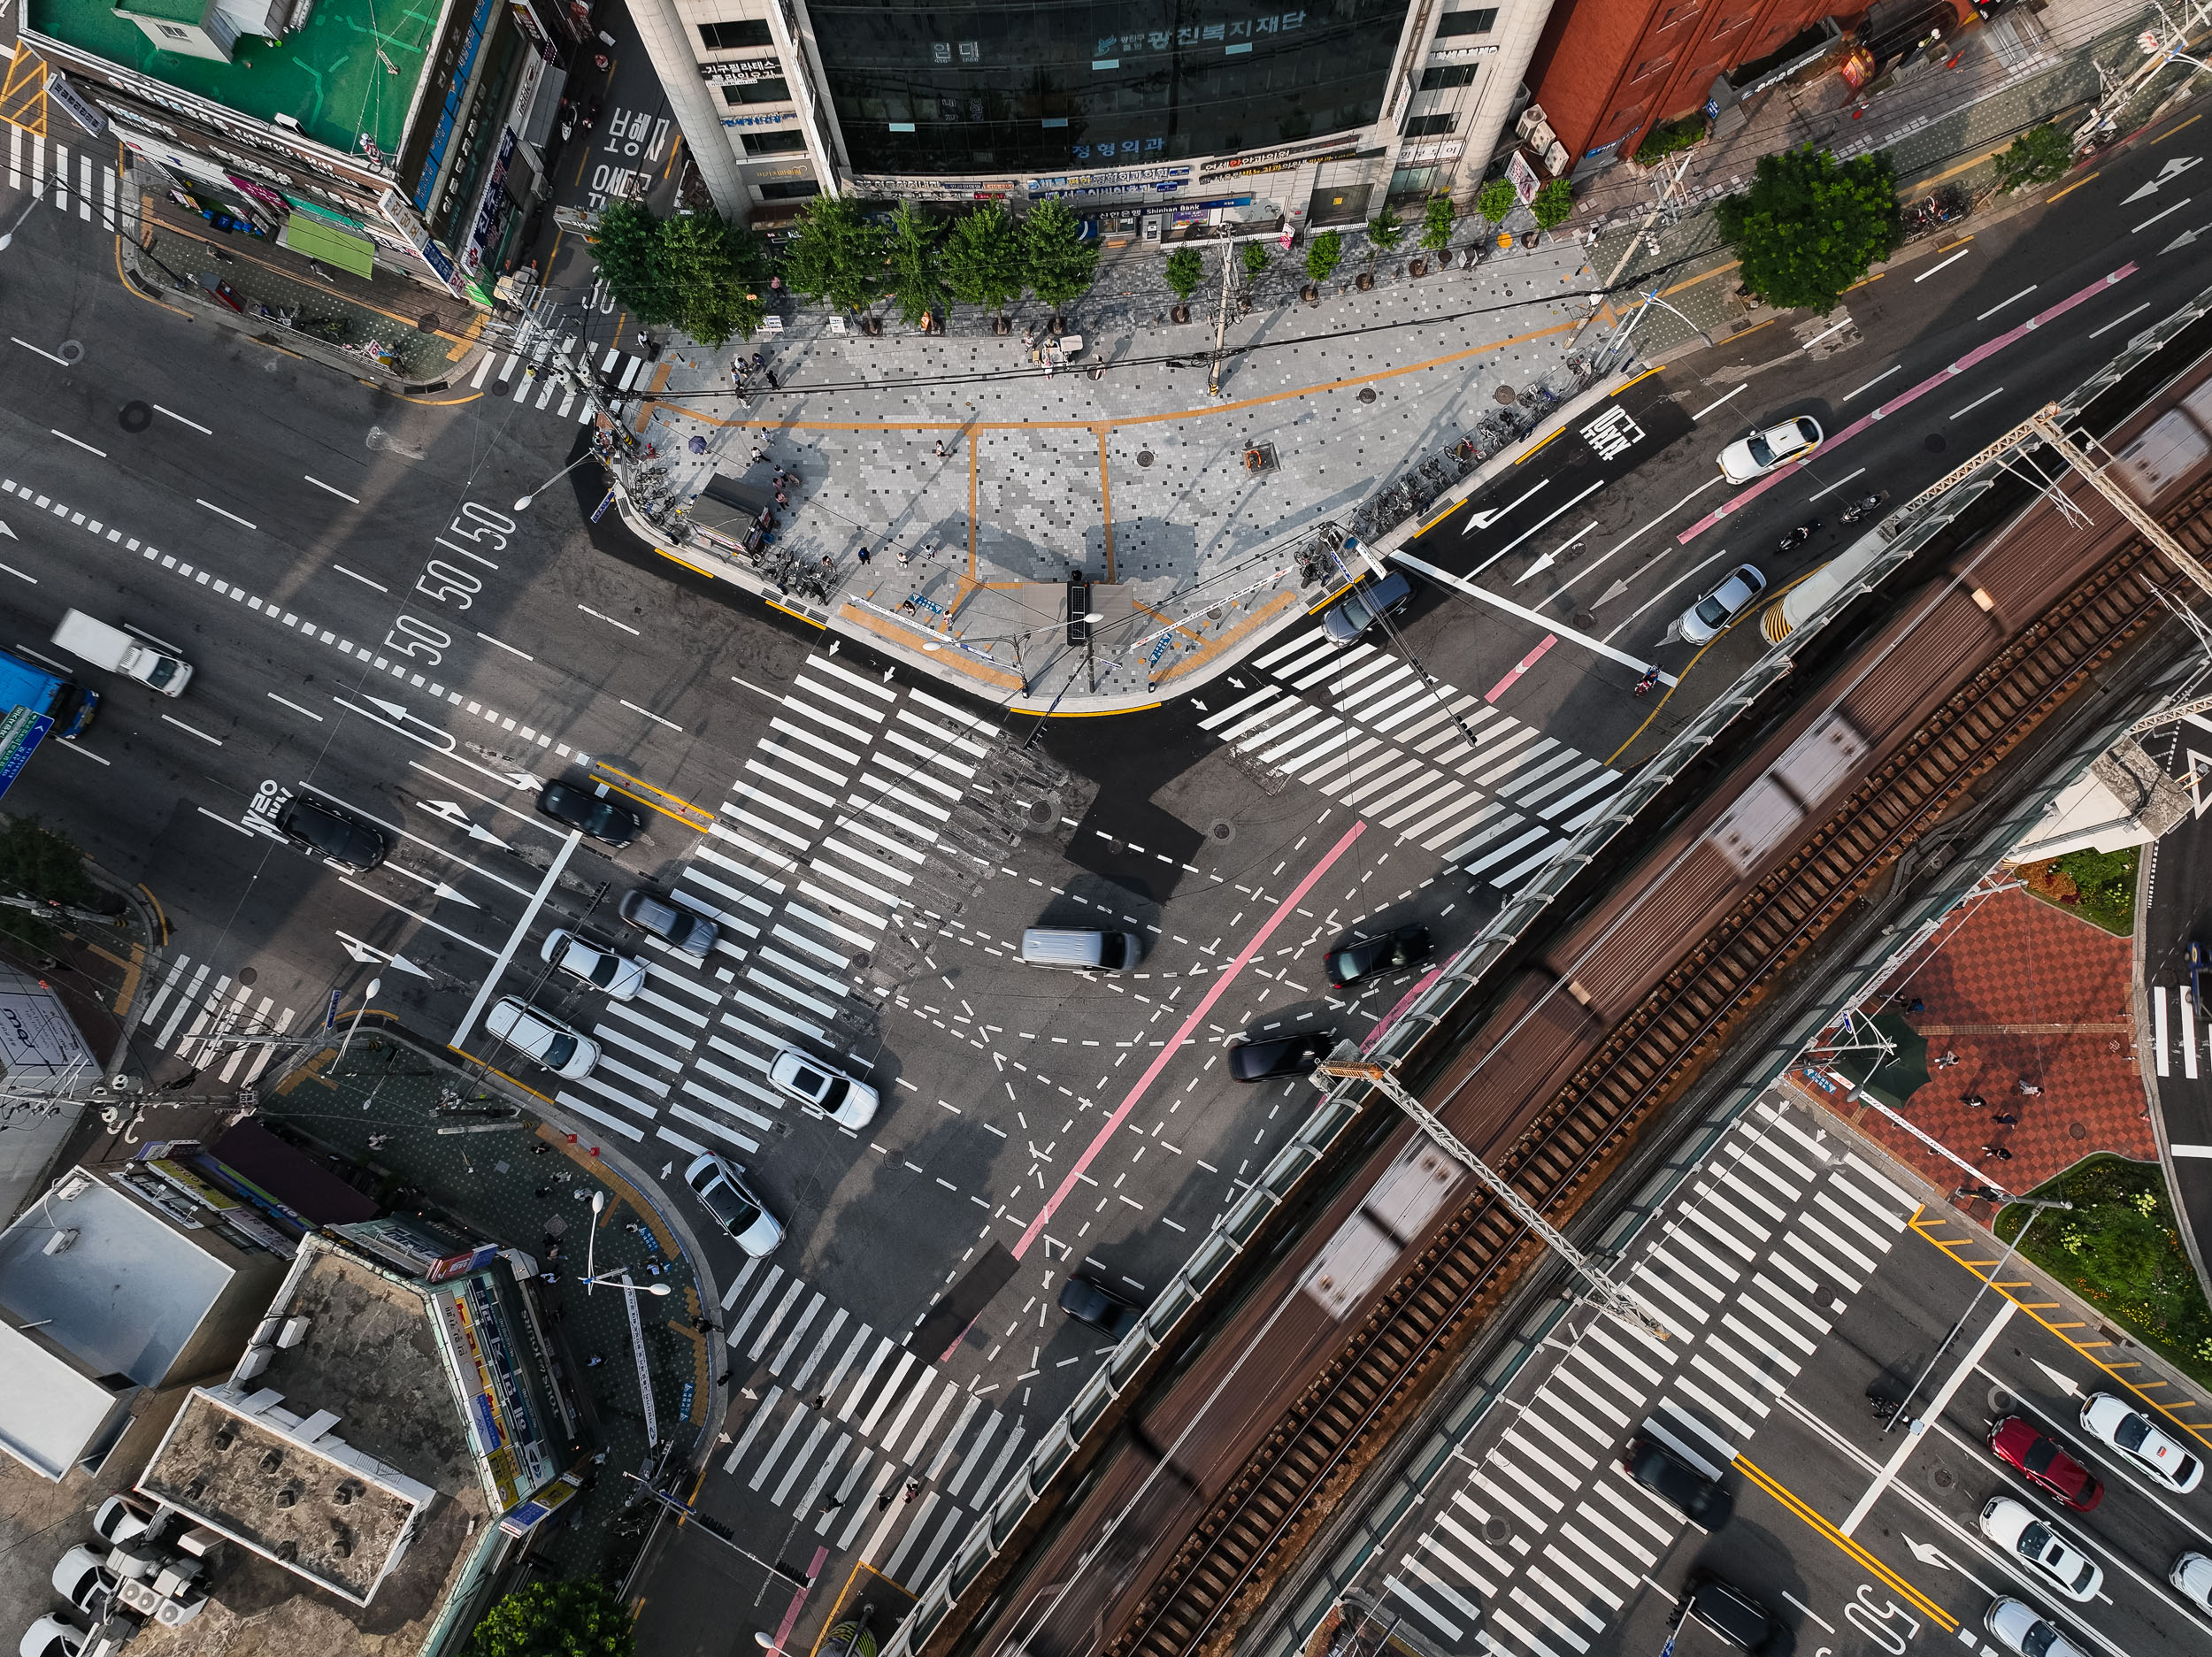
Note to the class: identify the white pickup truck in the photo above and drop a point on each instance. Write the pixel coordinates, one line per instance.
(111, 648)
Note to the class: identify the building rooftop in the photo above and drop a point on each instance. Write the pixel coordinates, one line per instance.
(351, 70)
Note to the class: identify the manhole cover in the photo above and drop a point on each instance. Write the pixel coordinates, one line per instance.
(1942, 1477)
(1042, 814)
(555, 1226)
(2076, 1131)
(136, 416)
(427, 323)
(1502, 395)
(1933, 443)
(2001, 1401)
(1367, 394)
(1497, 1528)
(72, 350)
(861, 962)
(1144, 457)
(246, 975)
(1223, 830)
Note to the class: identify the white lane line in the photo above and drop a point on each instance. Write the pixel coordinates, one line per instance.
(1834, 328)
(234, 828)
(2116, 322)
(1933, 1411)
(188, 731)
(1977, 402)
(223, 512)
(2002, 304)
(508, 648)
(610, 620)
(296, 708)
(506, 953)
(649, 714)
(48, 355)
(1946, 264)
(181, 420)
(1472, 590)
(1710, 407)
(327, 489)
(2155, 217)
(364, 579)
(69, 743)
(1668, 589)
(1832, 488)
(1870, 384)
(78, 441)
(18, 574)
(1654, 523)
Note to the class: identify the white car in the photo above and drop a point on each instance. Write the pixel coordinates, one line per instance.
(568, 1053)
(51, 1636)
(1755, 456)
(2013, 1527)
(849, 1103)
(2192, 1575)
(1737, 592)
(2130, 1432)
(619, 974)
(2016, 1628)
(722, 1191)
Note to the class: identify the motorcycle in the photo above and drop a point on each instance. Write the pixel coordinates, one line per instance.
(1863, 507)
(1799, 536)
(1650, 677)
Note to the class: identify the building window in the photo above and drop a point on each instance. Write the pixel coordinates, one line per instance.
(789, 192)
(730, 37)
(1444, 76)
(1431, 126)
(1411, 184)
(774, 89)
(1649, 67)
(1480, 22)
(774, 143)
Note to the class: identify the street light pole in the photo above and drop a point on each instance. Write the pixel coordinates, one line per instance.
(368, 996)
(9, 234)
(523, 504)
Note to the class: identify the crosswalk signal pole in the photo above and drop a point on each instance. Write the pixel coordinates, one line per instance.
(1345, 1064)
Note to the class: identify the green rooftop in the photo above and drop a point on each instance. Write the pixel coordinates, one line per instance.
(326, 76)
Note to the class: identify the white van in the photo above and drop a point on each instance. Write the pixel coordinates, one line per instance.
(1082, 949)
(111, 648)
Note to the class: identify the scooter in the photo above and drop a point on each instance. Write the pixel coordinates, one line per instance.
(1799, 536)
(1650, 677)
(1862, 507)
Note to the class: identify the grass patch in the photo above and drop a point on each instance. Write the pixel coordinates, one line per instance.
(1669, 136)
(2119, 1248)
(2099, 886)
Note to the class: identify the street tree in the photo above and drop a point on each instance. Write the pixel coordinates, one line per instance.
(2037, 156)
(982, 260)
(626, 247)
(718, 271)
(1385, 231)
(1255, 261)
(1437, 221)
(1497, 201)
(38, 862)
(1807, 228)
(1553, 204)
(836, 258)
(918, 284)
(1185, 270)
(1323, 257)
(577, 1618)
(1059, 263)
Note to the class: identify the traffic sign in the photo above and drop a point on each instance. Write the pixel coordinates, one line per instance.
(21, 732)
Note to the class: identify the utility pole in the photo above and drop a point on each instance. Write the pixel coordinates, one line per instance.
(1221, 324)
(1667, 185)
(2159, 47)
(2043, 424)
(1345, 1063)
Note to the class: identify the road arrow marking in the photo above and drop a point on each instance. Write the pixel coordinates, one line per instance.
(437, 886)
(451, 811)
(1927, 1554)
(2060, 1379)
(1483, 521)
(396, 710)
(360, 951)
(2173, 169)
(5, 530)
(1611, 594)
(2183, 239)
(406, 965)
(523, 780)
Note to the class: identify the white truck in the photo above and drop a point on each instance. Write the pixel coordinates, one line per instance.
(111, 648)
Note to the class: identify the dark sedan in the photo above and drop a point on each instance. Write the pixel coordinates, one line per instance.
(1370, 957)
(2042, 1463)
(1675, 1482)
(1256, 1058)
(1100, 1308)
(590, 810)
(337, 834)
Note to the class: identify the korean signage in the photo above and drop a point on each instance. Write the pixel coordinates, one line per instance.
(21, 732)
(1523, 178)
(1421, 155)
(1110, 49)
(760, 120)
(80, 109)
(488, 215)
(1295, 155)
(526, 23)
(741, 70)
(1121, 177)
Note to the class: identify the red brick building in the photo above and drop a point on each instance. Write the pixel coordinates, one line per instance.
(1606, 71)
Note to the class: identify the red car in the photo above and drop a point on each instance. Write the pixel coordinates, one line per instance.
(2042, 1463)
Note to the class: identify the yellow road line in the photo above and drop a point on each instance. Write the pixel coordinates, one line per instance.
(1766, 1482)
(650, 805)
(2071, 188)
(2170, 132)
(650, 788)
(1693, 661)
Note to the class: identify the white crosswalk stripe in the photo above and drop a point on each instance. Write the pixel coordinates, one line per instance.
(511, 375)
(217, 1026)
(82, 181)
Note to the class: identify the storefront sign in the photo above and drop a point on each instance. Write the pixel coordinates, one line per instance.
(1421, 155)
(271, 199)
(1269, 160)
(1116, 178)
(741, 72)
(1200, 35)
(80, 109)
(531, 29)
(1524, 179)
(1459, 54)
(760, 120)
(492, 210)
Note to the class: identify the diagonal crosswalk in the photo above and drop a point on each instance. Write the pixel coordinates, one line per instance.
(81, 178)
(204, 1017)
(1366, 729)
(1536, 1551)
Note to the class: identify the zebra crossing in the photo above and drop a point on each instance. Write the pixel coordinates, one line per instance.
(2178, 1035)
(1535, 1551)
(1367, 730)
(85, 179)
(201, 1021)
(528, 375)
(855, 1434)
(849, 786)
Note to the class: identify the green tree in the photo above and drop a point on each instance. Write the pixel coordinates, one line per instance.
(1385, 231)
(1807, 228)
(1323, 257)
(1255, 261)
(1498, 199)
(717, 271)
(2037, 155)
(1186, 269)
(580, 1618)
(1060, 264)
(627, 246)
(918, 285)
(38, 862)
(1553, 204)
(836, 258)
(982, 260)
(1437, 221)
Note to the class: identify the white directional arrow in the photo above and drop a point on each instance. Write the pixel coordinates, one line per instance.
(369, 954)
(2174, 168)
(1483, 521)
(2060, 1379)
(437, 886)
(1611, 594)
(406, 965)
(5, 530)
(451, 812)
(2200, 765)
(398, 710)
(522, 779)
(1927, 1554)
(2184, 239)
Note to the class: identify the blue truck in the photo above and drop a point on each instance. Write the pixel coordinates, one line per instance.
(26, 685)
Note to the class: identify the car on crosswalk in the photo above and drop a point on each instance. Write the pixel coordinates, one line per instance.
(802, 1077)
(569, 1054)
(2044, 1549)
(592, 811)
(1675, 1482)
(671, 922)
(722, 1191)
(1772, 446)
(2135, 1436)
(619, 974)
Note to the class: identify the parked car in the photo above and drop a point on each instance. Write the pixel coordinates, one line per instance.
(83, 1578)
(602, 969)
(2012, 1526)
(1258, 1058)
(1755, 456)
(1726, 1609)
(315, 824)
(2042, 1463)
(688, 930)
(51, 1636)
(800, 1076)
(2132, 1434)
(1392, 951)
(2015, 1626)
(2191, 1575)
(1675, 1482)
(1735, 592)
(722, 1191)
(607, 821)
(568, 1053)
(1348, 620)
(1100, 1308)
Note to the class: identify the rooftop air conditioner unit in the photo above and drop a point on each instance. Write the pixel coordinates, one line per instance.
(177, 1613)
(294, 1331)
(1532, 117)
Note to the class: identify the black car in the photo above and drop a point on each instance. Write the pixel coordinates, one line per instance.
(1726, 1609)
(1100, 1308)
(1390, 952)
(688, 930)
(1255, 1060)
(318, 826)
(1675, 1482)
(590, 810)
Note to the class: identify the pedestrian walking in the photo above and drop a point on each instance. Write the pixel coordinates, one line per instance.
(705, 1325)
(905, 558)
(863, 555)
(913, 1488)
(941, 448)
(1946, 1061)
(759, 454)
(832, 1505)
(548, 1276)
(2006, 1118)
(2033, 1090)
(759, 362)
(883, 1502)
(1973, 1101)
(724, 1381)
(541, 1150)
(783, 500)
(378, 1141)
(593, 1361)
(820, 1399)
(543, 1192)
(773, 383)
(1997, 1151)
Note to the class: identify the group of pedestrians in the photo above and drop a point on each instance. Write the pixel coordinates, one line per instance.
(748, 373)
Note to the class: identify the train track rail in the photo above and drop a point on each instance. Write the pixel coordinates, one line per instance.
(1289, 1483)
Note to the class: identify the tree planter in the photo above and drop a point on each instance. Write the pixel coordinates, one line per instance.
(1002, 325)
(871, 325)
(1058, 325)
(1365, 280)
(1179, 313)
(1311, 293)
(1418, 267)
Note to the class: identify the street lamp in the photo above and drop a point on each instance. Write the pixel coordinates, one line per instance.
(591, 1239)
(522, 505)
(615, 1281)
(8, 235)
(368, 996)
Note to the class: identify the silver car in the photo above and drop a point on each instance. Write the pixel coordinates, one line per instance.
(2015, 1626)
(2047, 1552)
(799, 1076)
(1736, 593)
(619, 974)
(569, 1054)
(2192, 1574)
(722, 1191)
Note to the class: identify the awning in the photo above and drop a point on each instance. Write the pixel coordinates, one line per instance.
(332, 246)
